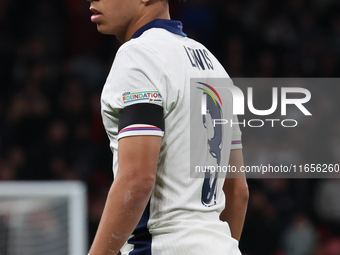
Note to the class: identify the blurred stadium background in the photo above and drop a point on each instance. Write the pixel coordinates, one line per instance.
(53, 64)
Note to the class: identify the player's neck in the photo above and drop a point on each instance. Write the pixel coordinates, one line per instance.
(151, 13)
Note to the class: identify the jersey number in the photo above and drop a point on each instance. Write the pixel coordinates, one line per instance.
(209, 189)
(214, 146)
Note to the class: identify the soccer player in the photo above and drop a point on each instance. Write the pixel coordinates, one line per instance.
(153, 206)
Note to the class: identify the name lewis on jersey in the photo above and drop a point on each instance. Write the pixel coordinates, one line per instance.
(199, 58)
(148, 96)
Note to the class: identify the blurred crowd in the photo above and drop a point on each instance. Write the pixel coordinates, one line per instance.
(54, 63)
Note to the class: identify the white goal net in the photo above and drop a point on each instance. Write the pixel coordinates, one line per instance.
(43, 218)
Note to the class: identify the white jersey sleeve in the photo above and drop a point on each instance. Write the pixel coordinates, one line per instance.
(138, 91)
(236, 142)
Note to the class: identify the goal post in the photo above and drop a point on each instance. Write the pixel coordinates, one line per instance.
(43, 218)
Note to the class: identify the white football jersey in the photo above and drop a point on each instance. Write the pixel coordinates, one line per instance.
(147, 93)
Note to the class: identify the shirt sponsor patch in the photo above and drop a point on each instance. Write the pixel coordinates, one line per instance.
(142, 96)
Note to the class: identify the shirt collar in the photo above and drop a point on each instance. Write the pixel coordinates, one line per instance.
(173, 26)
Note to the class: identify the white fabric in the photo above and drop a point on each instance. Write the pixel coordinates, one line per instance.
(157, 61)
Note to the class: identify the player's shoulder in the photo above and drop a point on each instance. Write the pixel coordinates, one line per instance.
(133, 44)
(155, 41)
(139, 50)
